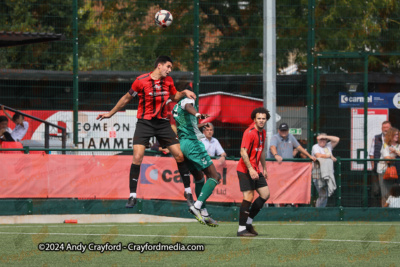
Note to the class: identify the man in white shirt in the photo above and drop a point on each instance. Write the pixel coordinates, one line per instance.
(211, 144)
(375, 152)
(21, 126)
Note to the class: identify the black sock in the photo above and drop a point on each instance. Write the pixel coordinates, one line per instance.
(134, 177)
(256, 207)
(185, 174)
(244, 212)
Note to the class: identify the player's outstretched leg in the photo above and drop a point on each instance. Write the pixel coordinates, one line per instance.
(138, 154)
(207, 217)
(183, 169)
(133, 180)
(205, 193)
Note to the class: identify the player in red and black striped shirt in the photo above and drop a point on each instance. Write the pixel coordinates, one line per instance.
(250, 177)
(153, 90)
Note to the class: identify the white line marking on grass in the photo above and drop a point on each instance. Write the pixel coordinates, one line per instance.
(209, 237)
(329, 224)
(196, 223)
(90, 225)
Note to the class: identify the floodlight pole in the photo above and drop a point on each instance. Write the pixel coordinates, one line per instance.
(269, 64)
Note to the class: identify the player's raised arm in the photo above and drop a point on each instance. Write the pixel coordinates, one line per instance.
(121, 103)
(190, 109)
(179, 95)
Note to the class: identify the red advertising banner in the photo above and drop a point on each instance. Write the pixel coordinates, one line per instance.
(226, 108)
(107, 177)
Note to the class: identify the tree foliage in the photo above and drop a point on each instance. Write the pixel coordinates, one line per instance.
(37, 16)
(121, 35)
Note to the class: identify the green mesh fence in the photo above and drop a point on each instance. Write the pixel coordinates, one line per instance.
(222, 47)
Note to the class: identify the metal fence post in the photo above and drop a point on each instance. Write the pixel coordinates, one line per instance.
(75, 97)
(339, 182)
(196, 50)
(310, 71)
(365, 172)
(47, 136)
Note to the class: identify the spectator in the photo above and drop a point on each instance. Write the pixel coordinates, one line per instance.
(375, 153)
(393, 200)
(21, 126)
(323, 150)
(212, 145)
(390, 149)
(283, 144)
(5, 132)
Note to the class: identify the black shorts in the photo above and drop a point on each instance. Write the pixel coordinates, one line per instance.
(246, 183)
(161, 129)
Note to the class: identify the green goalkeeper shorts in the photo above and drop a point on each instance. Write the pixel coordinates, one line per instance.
(195, 154)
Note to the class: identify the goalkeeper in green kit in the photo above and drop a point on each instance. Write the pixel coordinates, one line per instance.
(196, 158)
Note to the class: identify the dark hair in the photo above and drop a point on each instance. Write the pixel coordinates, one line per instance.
(186, 86)
(386, 122)
(162, 60)
(395, 190)
(260, 110)
(16, 116)
(3, 118)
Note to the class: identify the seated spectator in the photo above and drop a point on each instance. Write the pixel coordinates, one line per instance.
(21, 126)
(390, 150)
(211, 144)
(323, 150)
(393, 200)
(283, 144)
(5, 132)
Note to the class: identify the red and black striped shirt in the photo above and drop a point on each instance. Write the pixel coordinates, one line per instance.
(153, 95)
(254, 141)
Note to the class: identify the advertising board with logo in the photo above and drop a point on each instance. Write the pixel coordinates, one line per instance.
(375, 100)
(106, 177)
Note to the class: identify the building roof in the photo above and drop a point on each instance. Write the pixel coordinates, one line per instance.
(24, 38)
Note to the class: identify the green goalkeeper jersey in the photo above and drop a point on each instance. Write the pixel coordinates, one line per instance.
(186, 123)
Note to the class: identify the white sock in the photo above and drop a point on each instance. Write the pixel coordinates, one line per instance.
(132, 195)
(241, 228)
(204, 212)
(188, 190)
(249, 220)
(198, 204)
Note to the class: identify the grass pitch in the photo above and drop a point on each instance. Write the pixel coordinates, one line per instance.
(278, 244)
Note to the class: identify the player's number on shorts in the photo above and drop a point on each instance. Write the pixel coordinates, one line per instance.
(175, 111)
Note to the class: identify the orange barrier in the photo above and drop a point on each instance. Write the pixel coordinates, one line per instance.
(106, 177)
(9, 145)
